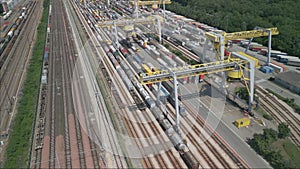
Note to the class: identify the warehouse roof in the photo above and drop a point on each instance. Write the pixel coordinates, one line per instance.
(292, 77)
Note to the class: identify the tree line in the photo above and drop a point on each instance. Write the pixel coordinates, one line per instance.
(239, 15)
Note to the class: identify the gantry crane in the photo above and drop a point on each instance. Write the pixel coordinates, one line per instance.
(220, 39)
(221, 65)
(196, 70)
(137, 3)
(128, 23)
(140, 3)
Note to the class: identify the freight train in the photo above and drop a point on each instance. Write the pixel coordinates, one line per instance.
(170, 88)
(176, 139)
(128, 77)
(13, 30)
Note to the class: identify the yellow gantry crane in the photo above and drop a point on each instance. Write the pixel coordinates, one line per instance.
(196, 70)
(243, 62)
(141, 3)
(220, 39)
(191, 70)
(128, 24)
(137, 3)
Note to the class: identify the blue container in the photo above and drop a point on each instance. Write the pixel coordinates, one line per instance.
(46, 56)
(266, 69)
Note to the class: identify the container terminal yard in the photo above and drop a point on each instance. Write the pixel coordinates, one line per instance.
(127, 84)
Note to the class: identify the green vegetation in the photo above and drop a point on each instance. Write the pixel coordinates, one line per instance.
(268, 146)
(242, 93)
(283, 130)
(267, 116)
(290, 102)
(238, 15)
(176, 52)
(293, 152)
(289, 151)
(19, 142)
(180, 55)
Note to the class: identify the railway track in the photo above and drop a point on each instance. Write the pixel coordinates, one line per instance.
(237, 160)
(139, 130)
(183, 50)
(211, 162)
(280, 113)
(147, 137)
(212, 148)
(161, 139)
(65, 144)
(86, 157)
(147, 161)
(11, 69)
(68, 107)
(119, 161)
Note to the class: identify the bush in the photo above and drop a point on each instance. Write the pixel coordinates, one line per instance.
(167, 46)
(267, 116)
(283, 130)
(242, 92)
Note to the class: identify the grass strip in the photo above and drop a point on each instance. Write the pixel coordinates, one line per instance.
(19, 142)
(290, 102)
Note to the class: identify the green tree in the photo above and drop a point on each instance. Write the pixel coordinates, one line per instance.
(276, 159)
(283, 130)
(270, 135)
(237, 15)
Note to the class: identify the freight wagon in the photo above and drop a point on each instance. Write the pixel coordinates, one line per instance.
(294, 63)
(285, 59)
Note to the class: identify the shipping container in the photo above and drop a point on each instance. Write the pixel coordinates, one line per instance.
(201, 78)
(136, 67)
(46, 56)
(257, 47)
(170, 62)
(280, 65)
(44, 79)
(161, 62)
(277, 69)
(266, 69)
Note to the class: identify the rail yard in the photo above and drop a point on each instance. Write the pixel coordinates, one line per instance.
(124, 85)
